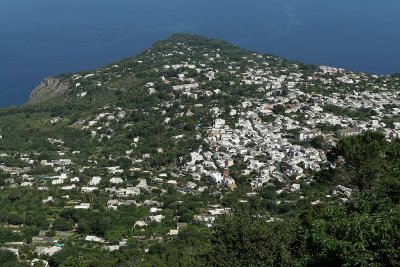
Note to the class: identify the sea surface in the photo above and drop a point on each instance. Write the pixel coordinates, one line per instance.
(40, 38)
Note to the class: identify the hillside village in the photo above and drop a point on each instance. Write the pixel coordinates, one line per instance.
(228, 124)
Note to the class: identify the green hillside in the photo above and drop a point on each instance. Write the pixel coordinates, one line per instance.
(199, 153)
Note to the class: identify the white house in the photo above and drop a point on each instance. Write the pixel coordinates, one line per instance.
(83, 206)
(95, 181)
(216, 177)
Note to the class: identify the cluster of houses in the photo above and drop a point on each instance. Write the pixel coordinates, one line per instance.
(269, 149)
(276, 148)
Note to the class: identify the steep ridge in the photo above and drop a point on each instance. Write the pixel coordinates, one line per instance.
(49, 88)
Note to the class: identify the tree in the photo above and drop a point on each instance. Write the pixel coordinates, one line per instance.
(363, 156)
(247, 239)
(364, 233)
(318, 142)
(73, 262)
(61, 224)
(39, 264)
(7, 256)
(278, 109)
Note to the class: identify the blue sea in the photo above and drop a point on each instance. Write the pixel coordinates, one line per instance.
(40, 38)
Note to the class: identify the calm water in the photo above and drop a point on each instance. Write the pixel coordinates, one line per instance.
(40, 38)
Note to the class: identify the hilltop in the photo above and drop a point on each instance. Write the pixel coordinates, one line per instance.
(145, 154)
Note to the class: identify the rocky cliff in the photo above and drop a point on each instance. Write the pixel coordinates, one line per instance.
(50, 88)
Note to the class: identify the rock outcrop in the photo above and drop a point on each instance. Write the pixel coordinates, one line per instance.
(50, 88)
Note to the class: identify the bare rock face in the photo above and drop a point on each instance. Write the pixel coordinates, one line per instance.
(49, 88)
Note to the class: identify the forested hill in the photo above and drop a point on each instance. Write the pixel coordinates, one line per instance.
(197, 152)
